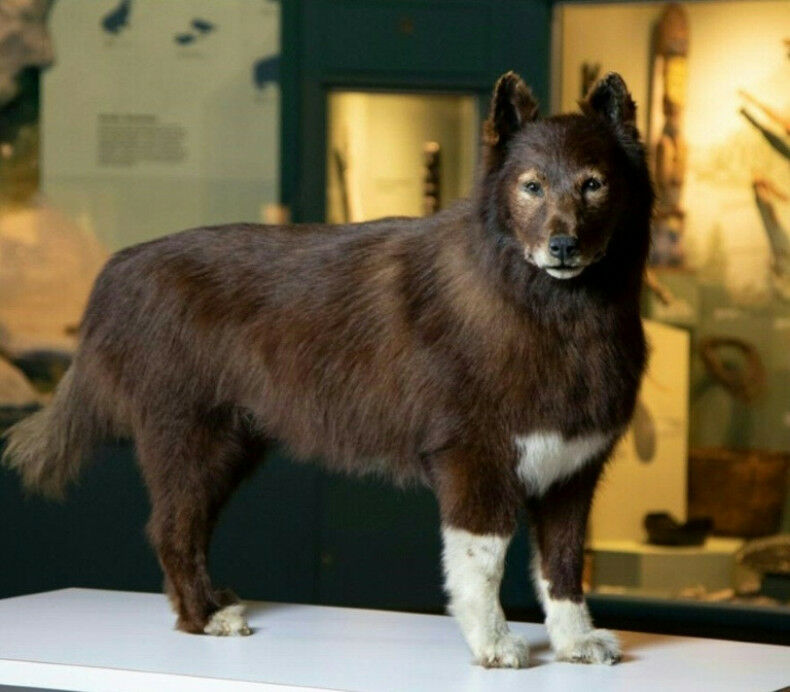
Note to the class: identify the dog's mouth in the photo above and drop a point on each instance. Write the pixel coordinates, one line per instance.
(557, 270)
(564, 271)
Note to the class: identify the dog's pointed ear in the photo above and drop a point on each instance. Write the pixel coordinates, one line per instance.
(512, 107)
(609, 98)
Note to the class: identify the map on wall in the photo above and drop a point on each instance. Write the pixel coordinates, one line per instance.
(177, 120)
(117, 19)
(265, 71)
(155, 116)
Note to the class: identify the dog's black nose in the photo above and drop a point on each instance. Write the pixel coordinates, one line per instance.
(563, 247)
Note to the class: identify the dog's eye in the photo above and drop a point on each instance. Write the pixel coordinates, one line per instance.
(533, 187)
(591, 185)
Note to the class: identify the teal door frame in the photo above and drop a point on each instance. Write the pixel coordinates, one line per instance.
(445, 46)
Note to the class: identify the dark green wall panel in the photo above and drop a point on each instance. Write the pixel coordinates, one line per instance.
(379, 545)
(95, 538)
(436, 37)
(457, 46)
(265, 545)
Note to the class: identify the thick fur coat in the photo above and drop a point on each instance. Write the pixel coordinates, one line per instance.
(492, 351)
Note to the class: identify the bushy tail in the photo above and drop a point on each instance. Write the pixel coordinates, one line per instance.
(48, 447)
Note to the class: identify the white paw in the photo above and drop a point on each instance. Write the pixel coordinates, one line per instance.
(596, 646)
(507, 651)
(228, 621)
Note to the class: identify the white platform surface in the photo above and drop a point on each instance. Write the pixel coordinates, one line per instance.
(81, 639)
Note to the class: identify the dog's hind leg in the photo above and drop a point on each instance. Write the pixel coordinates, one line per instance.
(479, 507)
(191, 466)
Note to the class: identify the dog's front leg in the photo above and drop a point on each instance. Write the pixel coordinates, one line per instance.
(478, 521)
(559, 519)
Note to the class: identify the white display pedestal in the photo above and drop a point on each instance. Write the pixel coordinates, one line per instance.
(80, 639)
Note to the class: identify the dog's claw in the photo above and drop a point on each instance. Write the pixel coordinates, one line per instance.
(508, 651)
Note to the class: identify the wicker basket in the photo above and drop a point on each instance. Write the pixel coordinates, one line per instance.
(743, 491)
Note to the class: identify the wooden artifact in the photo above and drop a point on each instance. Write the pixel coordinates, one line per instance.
(667, 144)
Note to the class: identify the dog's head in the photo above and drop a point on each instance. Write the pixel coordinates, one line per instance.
(560, 187)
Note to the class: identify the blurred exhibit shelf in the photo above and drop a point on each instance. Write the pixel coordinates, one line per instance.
(81, 639)
(634, 567)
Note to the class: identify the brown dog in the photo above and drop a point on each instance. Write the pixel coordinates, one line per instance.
(493, 352)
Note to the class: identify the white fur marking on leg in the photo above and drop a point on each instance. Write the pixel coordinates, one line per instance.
(570, 627)
(228, 621)
(473, 566)
(541, 585)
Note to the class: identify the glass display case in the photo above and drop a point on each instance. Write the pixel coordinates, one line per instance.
(387, 152)
(712, 85)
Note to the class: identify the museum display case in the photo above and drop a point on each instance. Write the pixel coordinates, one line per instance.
(121, 121)
(388, 152)
(712, 83)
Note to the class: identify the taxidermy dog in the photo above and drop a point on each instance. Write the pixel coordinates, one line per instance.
(492, 351)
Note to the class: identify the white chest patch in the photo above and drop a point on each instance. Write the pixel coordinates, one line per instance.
(546, 457)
